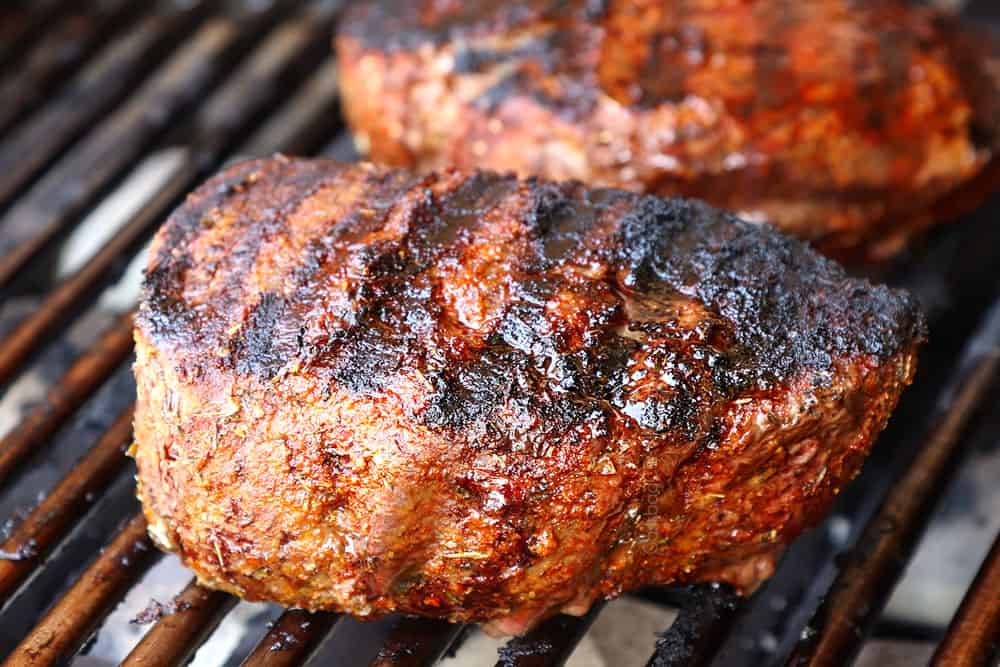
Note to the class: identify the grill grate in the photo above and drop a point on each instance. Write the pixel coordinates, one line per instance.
(213, 78)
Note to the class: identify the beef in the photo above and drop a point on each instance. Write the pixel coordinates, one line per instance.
(487, 399)
(850, 123)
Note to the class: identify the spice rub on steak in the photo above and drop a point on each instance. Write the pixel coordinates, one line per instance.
(849, 123)
(487, 399)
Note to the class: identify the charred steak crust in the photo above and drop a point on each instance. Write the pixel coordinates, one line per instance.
(842, 122)
(483, 398)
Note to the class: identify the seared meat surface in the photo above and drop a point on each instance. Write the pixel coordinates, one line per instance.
(845, 122)
(481, 398)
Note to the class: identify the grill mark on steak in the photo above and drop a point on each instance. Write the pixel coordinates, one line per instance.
(270, 338)
(783, 309)
(162, 305)
(264, 345)
(169, 267)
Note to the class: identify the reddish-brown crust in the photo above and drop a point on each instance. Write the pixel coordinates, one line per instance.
(840, 121)
(479, 398)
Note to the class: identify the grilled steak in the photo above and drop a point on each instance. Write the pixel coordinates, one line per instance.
(845, 122)
(482, 398)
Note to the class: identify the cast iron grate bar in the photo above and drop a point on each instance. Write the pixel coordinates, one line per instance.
(697, 633)
(78, 613)
(292, 640)
(63, 507)
(60, 50)
(835, 634)
(21, 25)
(75, 183)
(551, 643)
(176, 637)
(77, 105)
(78, 384)
(306, 123)
(973, 638)
(416, 641)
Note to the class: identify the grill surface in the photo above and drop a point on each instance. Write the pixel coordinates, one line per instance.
(96, 87)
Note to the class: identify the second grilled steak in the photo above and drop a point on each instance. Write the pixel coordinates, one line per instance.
(473, 397)
(844, 122)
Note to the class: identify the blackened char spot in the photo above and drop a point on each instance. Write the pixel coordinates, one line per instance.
(163, 313)
(647, 231)
(463, 208)
(562, 221)
(368, 358)
(790, 307)
(475, 60)
(471, 392)
(501, 400)
(596, 9)
(269, 339)
(678, 411)
(504, 89)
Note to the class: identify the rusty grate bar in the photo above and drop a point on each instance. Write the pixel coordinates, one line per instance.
(696, 634)
(62, 48)
(859, 592)
(78, 613)
(306, 122)
(415, 641)
(973, 638)
(20, 24)
(77, 385)
(551, 643)
(64, 194)
(257, 85)
(83, 377)
(292, 639)
(289, 54)
(63, 506)
(78, 105)
(176, 637)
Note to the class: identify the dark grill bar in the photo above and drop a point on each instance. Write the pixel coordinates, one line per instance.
(75, 387)
(416, 641)
(864, 584)
(292, 639)
(19, 25)
(974, 635)
(63, 506)
(551, 643)
(78, 613)
(694, 638)
(213, 81)
(76, 106)
(175, 637)
(70, 40)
